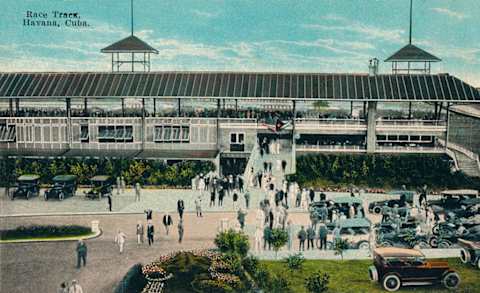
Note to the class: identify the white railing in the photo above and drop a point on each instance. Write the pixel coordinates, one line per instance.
(319, 147)
(409, 149)
(411, 123)
(462, 150)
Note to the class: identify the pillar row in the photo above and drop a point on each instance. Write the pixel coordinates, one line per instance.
(371, 127)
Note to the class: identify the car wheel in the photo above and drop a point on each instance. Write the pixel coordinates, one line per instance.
(386, 244)
(433, 242)
(373, 273)
(423, 244)
(478, 263)
(465, 255)
(444, 244)
(363, 245)
(377, 210)
(61, 196)
(451, 280)
(435, 230)
(329, 245)
(391, 283)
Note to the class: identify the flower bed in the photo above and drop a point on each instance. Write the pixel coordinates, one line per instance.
(50, 231)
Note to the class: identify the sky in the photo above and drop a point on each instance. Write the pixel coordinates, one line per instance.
(246, 35)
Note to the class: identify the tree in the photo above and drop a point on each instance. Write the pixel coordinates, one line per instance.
(232, 242)
(340, 246)
(317, 282)
(279, 238)
(295, 262)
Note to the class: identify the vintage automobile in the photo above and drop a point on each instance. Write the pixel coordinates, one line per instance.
(405, 238)
(63, 186)
(101, 185)
(342, 204)
(27, 186)
(404, 196)
(447, 238)
(470, 252)
(452, 200)
(356, 231)
(396, 267)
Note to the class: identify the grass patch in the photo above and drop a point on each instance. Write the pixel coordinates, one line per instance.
(351, 276)
(49, 232)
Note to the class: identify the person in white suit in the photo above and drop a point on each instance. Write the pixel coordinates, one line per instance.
(120, 240)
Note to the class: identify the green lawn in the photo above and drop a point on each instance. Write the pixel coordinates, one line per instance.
(352, 276)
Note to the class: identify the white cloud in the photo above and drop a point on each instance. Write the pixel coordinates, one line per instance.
(450, 13)
(204, 14)
(470, 55)
(370, 32)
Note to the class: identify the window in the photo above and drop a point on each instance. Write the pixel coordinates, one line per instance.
(414, 138)
(392, 137)
(426, 138)
(381, 137)
(237, 142)
(172, 133)
(7, 133)
(403, 137)
(115, 133)
(84, 137)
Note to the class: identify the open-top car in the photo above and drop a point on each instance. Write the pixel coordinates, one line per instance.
(63, 186)
(101, 185)
(396, 267)
(342, 204)
(452, 200)
(27, 186)
(470, 252)
(406, 238)
(356, 231)
(401, 198)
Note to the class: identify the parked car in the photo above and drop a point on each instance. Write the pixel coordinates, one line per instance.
(452, 200)
(447, 238)
(405, 238)
(342, 204)
(27, 186)
(404, 196)
(356, 231)
(396, 267)
(63, 186)
(101, 185)
(470, 252)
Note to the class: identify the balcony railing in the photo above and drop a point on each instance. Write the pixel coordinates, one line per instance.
(320, 147)
(409, 149)
(411, 123)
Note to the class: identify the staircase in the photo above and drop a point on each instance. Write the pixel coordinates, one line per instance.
(467, 165)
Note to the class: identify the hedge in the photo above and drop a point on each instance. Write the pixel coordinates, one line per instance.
(412, 170)
(44, 231)
(147, 172)
(133, 281)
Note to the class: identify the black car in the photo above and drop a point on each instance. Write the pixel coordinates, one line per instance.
(470, 252)
(396, 267)
(405, 238)
(405, 197)
(27, 186)
(101, 186)
(453, 200)
(63, 186)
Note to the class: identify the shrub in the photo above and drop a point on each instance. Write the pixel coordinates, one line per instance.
(280, 284)
(278, 238)
(250, 264)
(44, 231)
(232, 242)
(295, 261)
(317, 282)
(133, 281)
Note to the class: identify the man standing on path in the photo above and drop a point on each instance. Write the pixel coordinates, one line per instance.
(109, 202)
(322, 236)
(302, 236)
(267, 232)
(311, 193)
(118, 185)
(180, 207)
(148, 212)
(81, 253)
(167, 222)
(150, 233)
(310, 237)
(258, 239)
(139, 233)
(75, 288)
(180, 231)
(221, 194)
(120, 240)
(241, 218)
(235, 199)
(137, 191)
(198, 206)
(247, 199)
(212, 197)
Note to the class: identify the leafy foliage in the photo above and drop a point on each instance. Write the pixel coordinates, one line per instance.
(44, 231)
(295, 261)
(232, 242)
(133, 281)
(317, 282)
(412, 170)
(278, 238)
(143, 171)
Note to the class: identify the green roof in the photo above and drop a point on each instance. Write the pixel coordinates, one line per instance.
(28, 177)
(412, 53)
(100, 178)
(130, 44)
(61, 178)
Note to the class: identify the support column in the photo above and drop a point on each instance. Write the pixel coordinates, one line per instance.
(154, 107)
(409, 110)
(218, 128)
(17, 105)
(123, 107)
(10, 106)
(69, 120)
(85, 107)
(179, 108)
(371, 133)
(448, 125)
(294, 143)
(351, 109)
(236, 105)
(364, 110)
(143, 124)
